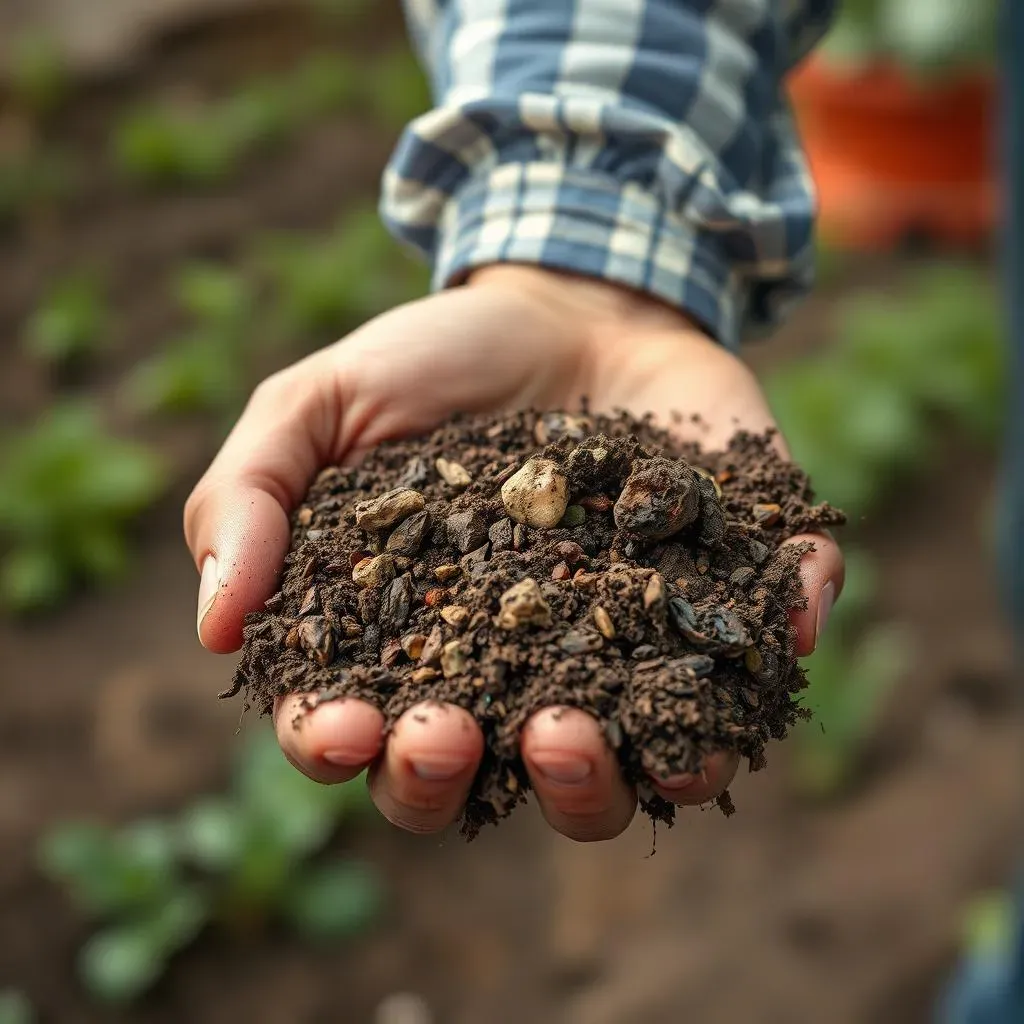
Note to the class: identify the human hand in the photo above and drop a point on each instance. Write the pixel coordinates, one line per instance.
(513, 337)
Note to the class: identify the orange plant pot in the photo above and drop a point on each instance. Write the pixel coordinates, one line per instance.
(894, 157)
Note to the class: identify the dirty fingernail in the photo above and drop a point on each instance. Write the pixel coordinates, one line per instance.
(684, 781)
(436, 769)
(825, 602)
(209, 581)
(566, 771)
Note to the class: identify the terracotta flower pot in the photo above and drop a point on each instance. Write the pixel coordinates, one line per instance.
(896, 157)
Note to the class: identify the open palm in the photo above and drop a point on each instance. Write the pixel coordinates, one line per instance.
(515, 337)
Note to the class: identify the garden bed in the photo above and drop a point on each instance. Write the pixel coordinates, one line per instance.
(789, 911)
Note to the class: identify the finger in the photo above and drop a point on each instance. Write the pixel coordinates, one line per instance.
(575, 775)
(236, 519)
(821, 574)
(686, 790)
(423, 780)
(332, 742)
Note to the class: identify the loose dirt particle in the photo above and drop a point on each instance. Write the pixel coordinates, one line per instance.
(611, 569)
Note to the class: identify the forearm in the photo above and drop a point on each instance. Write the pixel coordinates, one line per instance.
(642, 143)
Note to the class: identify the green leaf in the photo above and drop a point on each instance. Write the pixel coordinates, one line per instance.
(69, 324)
(32, 579)
(15, 1007)
(990, 924)
(213, 293)
(212, 834)
(37, 71)
(335, 901)
(120, 963)
(111, 872)
(195, 373)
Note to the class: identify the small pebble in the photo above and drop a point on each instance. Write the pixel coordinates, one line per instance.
(537, 495)
(388, 509)
(453, 473)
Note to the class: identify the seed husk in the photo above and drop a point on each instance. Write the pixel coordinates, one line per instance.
(604, 624)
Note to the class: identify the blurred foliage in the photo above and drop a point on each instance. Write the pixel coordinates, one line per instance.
(242, 860)
(207, 367)
(32, 180)
(330, 284)
(67, 491)
(69, 325)
(206, 143)
(397, 90)
(990, 924)
(861, 415)
(861, 418)
(345, 12)
(927, 36)
(37, 73)
(852, 672)
(15, 1008)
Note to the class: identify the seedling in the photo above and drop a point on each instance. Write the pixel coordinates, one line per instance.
(397, 90)
(323, 286)
(32, 180)
(205, 368)
(863, 412)
(38, 72)
(15, 1007)
(68, 491)
(206, 143)
(68, 326)
(241, 861)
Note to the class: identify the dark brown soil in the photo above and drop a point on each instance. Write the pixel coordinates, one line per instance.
(487, 569)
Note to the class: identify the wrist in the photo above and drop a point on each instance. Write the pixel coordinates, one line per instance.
(585, 303)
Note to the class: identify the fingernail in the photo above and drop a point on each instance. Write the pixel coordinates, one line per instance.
(346, 758)
(209, 581)
(436, 769)
(825, 602)
(567, 771)
(678, 781)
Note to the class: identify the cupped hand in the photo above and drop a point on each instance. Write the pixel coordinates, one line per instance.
(512, 337)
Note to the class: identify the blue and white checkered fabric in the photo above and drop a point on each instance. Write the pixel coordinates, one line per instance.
(647, 142)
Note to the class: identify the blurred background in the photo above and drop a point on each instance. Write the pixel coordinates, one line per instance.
(187, 201)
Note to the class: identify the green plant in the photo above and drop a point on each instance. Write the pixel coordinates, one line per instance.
(926, 35)
(15, 1007)
(32, 180)
(862, 414)
(68, 326)
(851, 674)
(329, 284)
(205, 143)
(861, 419)
(37, 72)
(396, 89)
(68, 490)
(205, 368)
(241, 860)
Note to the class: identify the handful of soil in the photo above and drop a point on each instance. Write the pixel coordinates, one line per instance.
(509, 564)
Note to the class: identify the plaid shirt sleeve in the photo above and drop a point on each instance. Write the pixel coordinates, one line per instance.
(646, 142)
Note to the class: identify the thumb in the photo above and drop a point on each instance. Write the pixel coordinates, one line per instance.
(236, 519)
